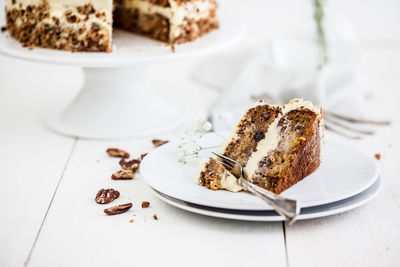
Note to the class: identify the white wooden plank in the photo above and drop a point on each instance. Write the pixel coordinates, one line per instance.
(370, 235)
(78, 233)
(32, 159)
(367, 236)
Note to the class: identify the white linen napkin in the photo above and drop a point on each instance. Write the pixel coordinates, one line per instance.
(283, 71)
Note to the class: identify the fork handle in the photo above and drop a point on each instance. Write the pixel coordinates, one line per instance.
(288, 208)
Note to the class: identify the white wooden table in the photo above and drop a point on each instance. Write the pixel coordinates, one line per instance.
(48, 183)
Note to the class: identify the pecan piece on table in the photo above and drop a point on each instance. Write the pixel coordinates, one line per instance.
(118, 209)
(145, 204)
(105, 196)
(155, 217)
(132, 165)
(142, 156)
(158, 142)
(123, 175)
(116, 152)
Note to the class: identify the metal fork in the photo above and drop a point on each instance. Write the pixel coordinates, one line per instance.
(288, 208)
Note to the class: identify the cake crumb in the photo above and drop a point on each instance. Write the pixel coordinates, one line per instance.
(145, 204)
(387, 248)
(155, 217)
(378, 156)
(131, 221)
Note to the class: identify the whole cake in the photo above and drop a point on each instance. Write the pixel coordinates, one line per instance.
(276, 146)
(86, 25)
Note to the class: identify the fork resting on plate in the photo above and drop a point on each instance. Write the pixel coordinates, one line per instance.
(288, 208)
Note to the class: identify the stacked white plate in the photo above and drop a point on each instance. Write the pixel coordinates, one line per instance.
(345, 180)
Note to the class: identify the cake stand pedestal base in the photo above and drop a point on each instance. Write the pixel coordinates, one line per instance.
(115, 103)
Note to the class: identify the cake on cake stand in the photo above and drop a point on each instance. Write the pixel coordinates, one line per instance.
(115, 100)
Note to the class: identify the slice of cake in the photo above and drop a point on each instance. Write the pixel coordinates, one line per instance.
(173, 21)
(214, 176)
(277, 146)
(61, 24)
(86, 25)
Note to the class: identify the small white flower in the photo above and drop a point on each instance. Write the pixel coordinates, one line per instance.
(202, 125)
(201, 119)
(207, 126)
(188, 149)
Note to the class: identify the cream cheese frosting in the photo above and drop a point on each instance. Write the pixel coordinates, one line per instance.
(269, 143)
(231, 183)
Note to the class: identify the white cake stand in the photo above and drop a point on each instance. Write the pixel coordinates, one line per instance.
(115, 100)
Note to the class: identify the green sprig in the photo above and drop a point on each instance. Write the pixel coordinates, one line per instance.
(323, 47)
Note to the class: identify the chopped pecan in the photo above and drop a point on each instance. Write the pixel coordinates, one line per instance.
(105, 196)
(142, 156)
(116, 152)
(158, 142)
(155, 217)
(118, 209)
(123, 175)
(378, 156)
(132, 165)
(145, 204)
(3, 29)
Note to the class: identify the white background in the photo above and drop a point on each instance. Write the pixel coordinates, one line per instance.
(47, 181)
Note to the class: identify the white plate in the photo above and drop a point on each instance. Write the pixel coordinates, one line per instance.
(344, 172)
(269, 215)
